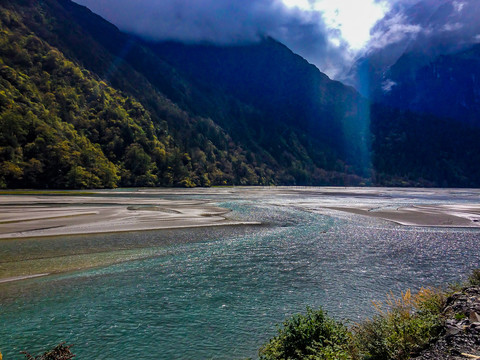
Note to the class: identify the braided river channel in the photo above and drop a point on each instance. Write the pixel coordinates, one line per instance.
(218, 292)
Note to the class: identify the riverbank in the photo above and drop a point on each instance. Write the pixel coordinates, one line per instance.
(454, 215)
(49, 233)
(427, 325)
(414, 206)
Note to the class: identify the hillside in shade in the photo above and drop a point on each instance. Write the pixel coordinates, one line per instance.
(449, 85)
(83, 105)
(434, 69)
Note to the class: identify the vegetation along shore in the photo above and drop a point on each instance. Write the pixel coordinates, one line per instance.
(428, 324)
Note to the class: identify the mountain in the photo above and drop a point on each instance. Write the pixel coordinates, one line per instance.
(411, 36)
(292, 142)
(432, 66)
(83, 105)
(197, 133)
(423, 82)
(288, 92)
(411, 149)
(449, 86)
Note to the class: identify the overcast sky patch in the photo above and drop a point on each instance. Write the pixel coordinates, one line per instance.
(331, 34)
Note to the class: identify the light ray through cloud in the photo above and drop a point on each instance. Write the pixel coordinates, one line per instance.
(352, 18)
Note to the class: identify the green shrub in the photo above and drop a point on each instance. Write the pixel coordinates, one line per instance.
(310, 336)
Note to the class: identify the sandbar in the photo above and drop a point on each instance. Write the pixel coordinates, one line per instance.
(18, 278)
(35, 226)
(23, 216)
(423, 215)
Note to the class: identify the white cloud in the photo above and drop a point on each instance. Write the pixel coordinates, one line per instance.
(452, 27)
(458, 6)
(393, 31)
(387, 85)
(331, 34)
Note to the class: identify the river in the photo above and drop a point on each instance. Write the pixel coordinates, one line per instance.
(218, 293)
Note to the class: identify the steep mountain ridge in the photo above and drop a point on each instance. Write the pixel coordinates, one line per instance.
(449, 86)
(281, 84)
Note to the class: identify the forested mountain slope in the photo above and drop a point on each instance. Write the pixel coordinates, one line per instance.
(288, 91)
(449, 85)
(196, 135)
(64, 127)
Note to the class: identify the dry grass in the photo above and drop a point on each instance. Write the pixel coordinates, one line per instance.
(402, 327)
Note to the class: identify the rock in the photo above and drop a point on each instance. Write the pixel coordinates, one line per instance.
(474, 317)
(452, 330)
(461, 339)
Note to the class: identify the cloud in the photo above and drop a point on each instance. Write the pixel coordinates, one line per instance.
(315, 29)
(393, 30)
(328, 33)
(194, 20)
(437, 25)
(458, 6)
(388, 85)
(452, 27)
(227, 22)
(418, 29)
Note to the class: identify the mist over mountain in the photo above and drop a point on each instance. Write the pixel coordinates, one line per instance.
(410, 36)
(228, 22)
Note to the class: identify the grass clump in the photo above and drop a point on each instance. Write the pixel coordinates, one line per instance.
(402, 327)
(310, 336)
(474, 278)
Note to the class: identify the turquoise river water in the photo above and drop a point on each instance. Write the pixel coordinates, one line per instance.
(219, 293)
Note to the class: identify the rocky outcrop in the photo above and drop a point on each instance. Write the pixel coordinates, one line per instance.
(461, 336)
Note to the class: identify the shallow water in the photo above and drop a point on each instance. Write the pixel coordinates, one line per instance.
(218, 293)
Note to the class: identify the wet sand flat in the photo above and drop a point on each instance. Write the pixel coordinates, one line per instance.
(426, 215)
(422, 207)
(36, 229)
(36, 216)
(44, 214)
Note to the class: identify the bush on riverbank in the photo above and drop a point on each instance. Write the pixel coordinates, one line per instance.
(474, 278)
(401, 328)
(310, 336)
